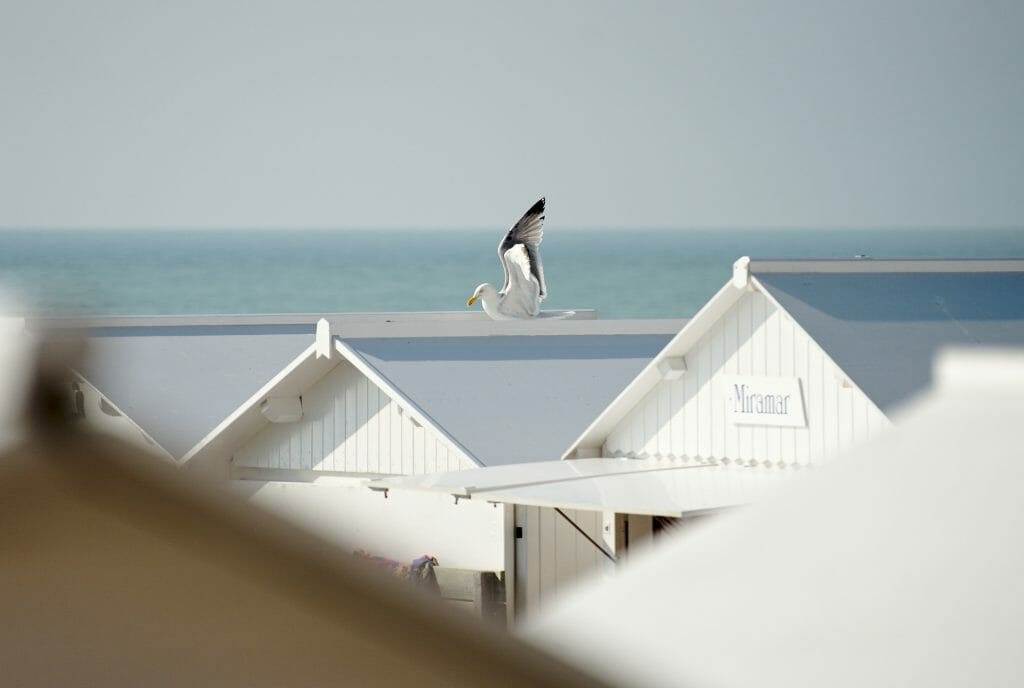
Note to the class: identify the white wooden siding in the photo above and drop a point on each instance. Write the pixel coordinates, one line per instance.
(349, 425)
(552, 556)
(686, 418)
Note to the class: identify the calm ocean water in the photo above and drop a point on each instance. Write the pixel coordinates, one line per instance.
(622, 274)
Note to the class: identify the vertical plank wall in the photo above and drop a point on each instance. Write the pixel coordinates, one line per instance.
(552, 556)
(349, 425)
(686, 418)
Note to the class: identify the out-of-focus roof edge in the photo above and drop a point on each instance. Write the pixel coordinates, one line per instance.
(153, 447)
(870, 265)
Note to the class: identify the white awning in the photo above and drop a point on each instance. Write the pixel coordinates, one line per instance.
(656, 487)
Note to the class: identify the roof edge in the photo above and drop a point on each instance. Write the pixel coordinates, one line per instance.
(870, 265)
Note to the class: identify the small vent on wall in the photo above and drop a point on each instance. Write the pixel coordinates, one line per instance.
(672, 367)
(282, 409)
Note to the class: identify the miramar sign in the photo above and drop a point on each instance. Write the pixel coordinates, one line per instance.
(774, 401)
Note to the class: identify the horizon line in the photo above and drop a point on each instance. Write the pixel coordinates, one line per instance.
(571, 228)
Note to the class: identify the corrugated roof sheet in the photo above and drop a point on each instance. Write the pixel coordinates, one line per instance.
(178, 382)
(884, 329)
(511, 399)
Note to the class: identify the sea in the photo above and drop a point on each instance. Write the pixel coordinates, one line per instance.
(658, 273)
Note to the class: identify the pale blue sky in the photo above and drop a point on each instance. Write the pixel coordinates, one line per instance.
(460, 114)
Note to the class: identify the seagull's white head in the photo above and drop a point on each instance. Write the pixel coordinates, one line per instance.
(484, 291)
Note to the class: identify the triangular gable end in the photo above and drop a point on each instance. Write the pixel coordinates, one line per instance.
(687, 418)
(352, 423)
(681, 411)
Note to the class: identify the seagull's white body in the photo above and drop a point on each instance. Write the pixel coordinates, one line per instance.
(522, 296)
(524, 286)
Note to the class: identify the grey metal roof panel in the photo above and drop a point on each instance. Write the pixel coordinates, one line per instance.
(883, 329)
(179, 382)
(511, 399)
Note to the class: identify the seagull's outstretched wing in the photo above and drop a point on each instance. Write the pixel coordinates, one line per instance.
(523, 298)
(529, 232)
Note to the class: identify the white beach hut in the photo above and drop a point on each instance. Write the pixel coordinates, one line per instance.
(790, 364)
(293, 415)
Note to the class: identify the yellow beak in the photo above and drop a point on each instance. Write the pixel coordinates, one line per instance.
(471, 301)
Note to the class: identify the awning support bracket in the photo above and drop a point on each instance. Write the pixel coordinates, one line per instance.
(595, 543)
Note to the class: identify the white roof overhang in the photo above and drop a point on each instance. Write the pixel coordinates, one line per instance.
(654, 487)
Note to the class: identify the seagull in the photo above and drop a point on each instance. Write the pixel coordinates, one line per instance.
(519, 252)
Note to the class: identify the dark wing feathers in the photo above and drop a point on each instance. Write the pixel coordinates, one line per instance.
(536, 268)
(529, 231)
(530, 228)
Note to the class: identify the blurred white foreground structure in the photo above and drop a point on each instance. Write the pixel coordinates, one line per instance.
(17, 358)
(900, 565)
(119, 571)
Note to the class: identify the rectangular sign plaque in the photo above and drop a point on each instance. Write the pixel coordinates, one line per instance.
(776, 401)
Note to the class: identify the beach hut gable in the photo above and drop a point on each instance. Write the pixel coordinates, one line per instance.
(753, 389)
(353, 421)
(351, 425)
(792, 362)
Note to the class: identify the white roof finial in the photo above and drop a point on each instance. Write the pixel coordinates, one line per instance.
(323, 339)
(741, 272)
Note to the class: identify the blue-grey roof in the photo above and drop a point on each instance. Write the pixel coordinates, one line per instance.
(178, 382)
(884, 328)
(511, 399)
